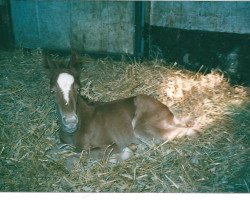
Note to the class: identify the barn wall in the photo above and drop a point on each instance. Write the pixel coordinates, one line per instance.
(230, 17)
(6, 36)
(106, 27)
(103, 26)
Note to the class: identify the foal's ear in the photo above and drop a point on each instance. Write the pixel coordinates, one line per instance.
(47, 63)
(74, 63)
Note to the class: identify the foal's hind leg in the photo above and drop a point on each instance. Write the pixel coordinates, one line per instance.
(178, 132)
(161, 133)
(159, 128)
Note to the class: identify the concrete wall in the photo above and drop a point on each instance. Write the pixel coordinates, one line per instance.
(230, 17)
(106, 27)
(109, 27)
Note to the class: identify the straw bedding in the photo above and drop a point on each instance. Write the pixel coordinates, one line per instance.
(216, 161)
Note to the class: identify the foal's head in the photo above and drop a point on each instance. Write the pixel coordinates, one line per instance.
(64, 84)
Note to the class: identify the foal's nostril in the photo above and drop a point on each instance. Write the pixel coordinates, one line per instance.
(72, 119)
(70, 123)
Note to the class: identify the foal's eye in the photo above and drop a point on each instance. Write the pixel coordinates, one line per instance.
(52, 90)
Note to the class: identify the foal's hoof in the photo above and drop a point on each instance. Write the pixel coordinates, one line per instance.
(58, 151)
(124, 155)
(193, 132)
(114, 159)
(72, 162)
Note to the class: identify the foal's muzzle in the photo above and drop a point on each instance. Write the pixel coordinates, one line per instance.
(70, 123)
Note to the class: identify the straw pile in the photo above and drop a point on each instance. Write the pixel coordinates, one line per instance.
(217, 161)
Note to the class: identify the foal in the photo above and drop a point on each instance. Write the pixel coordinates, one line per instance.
(96, 125)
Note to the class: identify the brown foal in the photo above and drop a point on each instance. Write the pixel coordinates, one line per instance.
(122, 122)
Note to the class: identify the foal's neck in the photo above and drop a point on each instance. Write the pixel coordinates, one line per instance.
(84, 105)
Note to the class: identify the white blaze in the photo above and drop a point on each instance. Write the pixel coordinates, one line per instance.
(65, 82)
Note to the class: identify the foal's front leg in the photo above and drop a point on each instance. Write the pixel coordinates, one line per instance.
(65, 153)
(66, 138)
